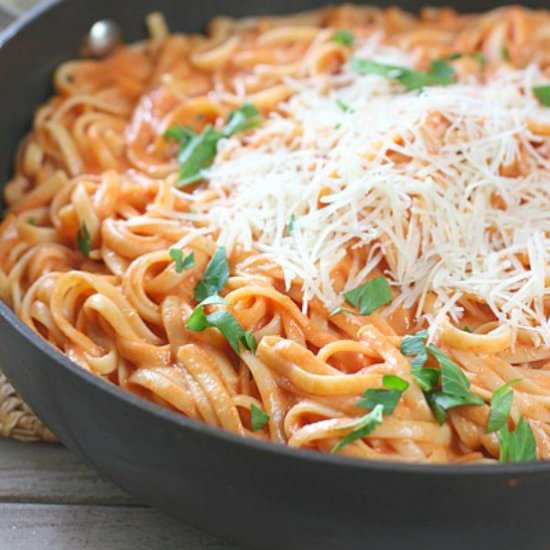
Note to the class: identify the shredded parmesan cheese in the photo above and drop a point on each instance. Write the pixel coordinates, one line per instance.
(449, 186)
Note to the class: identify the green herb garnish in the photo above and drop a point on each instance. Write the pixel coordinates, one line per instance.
(370, 296)
(362, 427)
(244, 118)
(505, 53)
(181, 134)
(344, 37)
(83, 240)
(415, 345)
(344, 107)
(198, 150)
(197, 155)
(445, 388)
(501, 404)
(479, 57)
(388, 397)
(440, 73)
(225, 322)
(215, 276)
(519, 445)
(291, 224)
(258, 418)
(181, 262)
(542, 93)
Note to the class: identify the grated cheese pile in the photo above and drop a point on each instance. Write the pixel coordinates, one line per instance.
(442, 214)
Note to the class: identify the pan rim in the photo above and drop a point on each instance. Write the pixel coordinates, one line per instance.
(179, 421)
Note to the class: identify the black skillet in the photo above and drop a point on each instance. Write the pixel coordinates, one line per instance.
(259, 495)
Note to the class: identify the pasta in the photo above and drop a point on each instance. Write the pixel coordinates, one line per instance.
(328, 230)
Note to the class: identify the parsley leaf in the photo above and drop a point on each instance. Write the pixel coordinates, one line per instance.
(479, 57)
(371, 296)
(501, 404)
(440, 73)
(182, 262)
(344, 107)
(249, 341)
(454, 383)
(388, 397)
(362, 427)
(393, 382)
(244, 118)
(198, 150)
(225, 322)
(197, 154)
(426, 378)
(455, 386)
(181, 134)
(214, 277)
(83, 240)
(519, 445)
(291, 224)
(542, 93)
(441, 70)
(344, 37)
(415, 345)
(505, 53)
(453, 379)
(446, 401)
(258, 418)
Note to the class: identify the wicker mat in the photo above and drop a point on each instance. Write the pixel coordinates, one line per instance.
(16, 418)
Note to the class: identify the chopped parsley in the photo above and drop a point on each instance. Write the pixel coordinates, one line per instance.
(519, 445)
(181, 262)
(444, 388)
(344, 107)
(244, 118)
(225, 322)
(370, 296)
(440, 73)
(291, 224)
(501, 404)
(197, 151)
(258, 418)
(83, 240)
(380, 401)
(388, 397)
(181, 134)
(477, 56)
(343, 37)
(361, 427)
(542, 93)
(505, 53)
(215, 276)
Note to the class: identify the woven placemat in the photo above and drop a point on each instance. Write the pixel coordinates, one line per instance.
(17, 419)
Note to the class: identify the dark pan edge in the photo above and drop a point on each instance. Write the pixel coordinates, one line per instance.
(13, 28)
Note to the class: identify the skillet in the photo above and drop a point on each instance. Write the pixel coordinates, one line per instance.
(256, 494)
